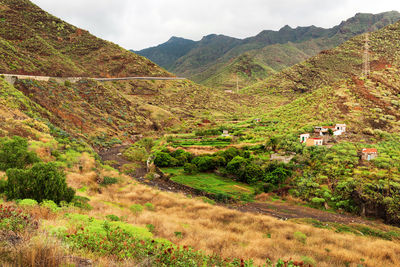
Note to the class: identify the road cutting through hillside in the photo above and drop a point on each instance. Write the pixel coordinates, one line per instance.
(11, 78)
(277, 209)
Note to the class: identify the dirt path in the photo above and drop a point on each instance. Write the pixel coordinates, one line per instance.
(280, 210)
(114, 154)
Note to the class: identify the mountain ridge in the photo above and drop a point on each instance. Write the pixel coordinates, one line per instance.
(201, 62)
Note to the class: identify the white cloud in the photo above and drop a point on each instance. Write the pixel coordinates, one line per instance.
(138, 24)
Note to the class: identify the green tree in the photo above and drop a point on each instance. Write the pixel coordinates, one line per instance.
(204, 163)
(273, 143)
(190, 168)
(14, 153)
(237, 166)
(44, 181)
(163, 159)
(253, 173)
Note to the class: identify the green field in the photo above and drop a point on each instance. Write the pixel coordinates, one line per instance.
(212, 183)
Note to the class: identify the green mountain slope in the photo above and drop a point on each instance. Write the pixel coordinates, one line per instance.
(167, 53)
(330, 87)
(35, 42)
(275, 50)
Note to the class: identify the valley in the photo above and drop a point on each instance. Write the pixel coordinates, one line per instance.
(136, 166)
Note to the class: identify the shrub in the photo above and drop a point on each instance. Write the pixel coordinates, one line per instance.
(136, 208)
(113, 218)
(136, 154)
(13, 219)
(204, 163)
(190, 168)
(318, 201)
(81, 202)
(163, 159)
(149, 206)
(253, 173)
(14, 153)
(3, 186)
(277, 173)
(44, 181)
(27, 202)
(299, 236)
(109, 180)
(237, 166)
(181, 156)
(50, 205)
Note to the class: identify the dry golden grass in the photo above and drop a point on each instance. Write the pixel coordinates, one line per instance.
(231, 233)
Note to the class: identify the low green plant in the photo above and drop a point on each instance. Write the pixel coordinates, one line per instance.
(136, 208)
(15, 219)
(27, 202)
(299, 236)
(149, 206)
(50, 204)
(113, 218)
(109, 181)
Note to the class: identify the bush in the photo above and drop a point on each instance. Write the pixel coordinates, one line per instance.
(237, 166)
(109, 180)
(318, 202)
(277, 173)
(14, 153)
(181, 156)
(204, 163)
(12, 219)
(81, 202)
(163, 159)
(136, 154)
(253, 173)
(50, 205)
(27, 202)
(136, 208)
(190, 168)
(113, 218)
(299, 236)
(3, 186)
(44, 181)
(149, 206)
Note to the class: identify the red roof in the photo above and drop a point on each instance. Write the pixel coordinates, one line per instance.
(370, 150)
(315, 138)
(329, 127)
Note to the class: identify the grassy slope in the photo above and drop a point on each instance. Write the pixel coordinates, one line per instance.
(35, 42)
(211, 183)
(329, 87)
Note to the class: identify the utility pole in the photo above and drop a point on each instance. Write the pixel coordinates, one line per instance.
(366, 65)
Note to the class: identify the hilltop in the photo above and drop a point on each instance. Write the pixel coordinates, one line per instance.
(214, 59)
(41, 44)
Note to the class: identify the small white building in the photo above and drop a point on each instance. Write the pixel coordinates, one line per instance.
(304, 138)
(225, 133)
(340, 127)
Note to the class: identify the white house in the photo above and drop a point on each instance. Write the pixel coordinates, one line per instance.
(225, 133)
(341, 127)
(304, 138)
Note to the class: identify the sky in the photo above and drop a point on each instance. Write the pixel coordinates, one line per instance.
(138, 24)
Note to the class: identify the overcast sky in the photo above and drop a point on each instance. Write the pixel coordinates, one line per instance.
(138, 24)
